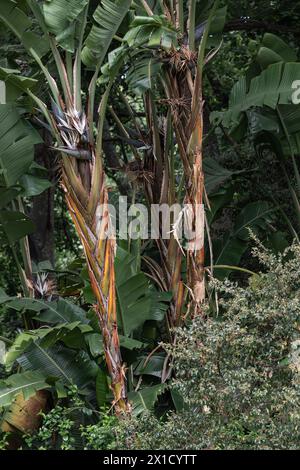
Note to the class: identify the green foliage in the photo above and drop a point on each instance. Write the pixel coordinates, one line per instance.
(229, 250)
(27, 383)
(68, 426)
(154, 31)
(56, 424)
(15, 84)
(236, 377)
(17, 140)
(272, 87)
(15, 225)
(62, 18)
(100, 436)
(267, 87)
(21, 25)
(138, 301)
(108, 17)
(144, 400)
(3, 441)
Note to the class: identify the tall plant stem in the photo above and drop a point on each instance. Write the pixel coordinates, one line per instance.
(147, 8)
(191, 24)
(196, 189)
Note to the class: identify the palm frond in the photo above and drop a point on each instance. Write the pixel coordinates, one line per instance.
(26, 383)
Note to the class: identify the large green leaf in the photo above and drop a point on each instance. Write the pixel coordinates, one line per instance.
(14, 17)
(272, 87)
(108, 18)
(58, 311)
(153, 365)
(145, 399)
(60, 363)
(15, 83)
(27, 383)
(8, 195)
(274, 49)
(62, 311)
(102, 389)
(33, 185)
(61, 17)
(17, 140)
(46, 337)
(15, 225)
(20, 24)
(266, 120)
(203, 10)
(215, 174)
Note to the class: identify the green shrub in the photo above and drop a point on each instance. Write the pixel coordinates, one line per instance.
(239, 372)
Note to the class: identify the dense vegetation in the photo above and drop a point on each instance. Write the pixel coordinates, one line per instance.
(134, 341)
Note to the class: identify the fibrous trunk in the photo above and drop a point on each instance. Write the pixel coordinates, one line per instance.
(184, 95)
(92, 221)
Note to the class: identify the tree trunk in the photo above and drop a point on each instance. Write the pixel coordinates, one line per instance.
(41, 242)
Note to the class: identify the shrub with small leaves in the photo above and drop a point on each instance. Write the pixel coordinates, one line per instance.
(59, 427)
(238, 373)
(55, 432)
(100, 436)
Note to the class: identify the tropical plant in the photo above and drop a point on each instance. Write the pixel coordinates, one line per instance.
(145, 62)
(70, 119)
(66, 347)
(166, 69)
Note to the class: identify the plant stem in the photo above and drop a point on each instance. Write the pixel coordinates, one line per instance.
(203, 43)
(180, 15)
(147, 8)
(235, 268)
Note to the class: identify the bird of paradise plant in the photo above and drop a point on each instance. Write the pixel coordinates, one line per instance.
(166, 39)
(70, 40)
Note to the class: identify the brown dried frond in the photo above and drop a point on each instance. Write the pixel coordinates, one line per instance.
(181, 59)
(177, 105)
